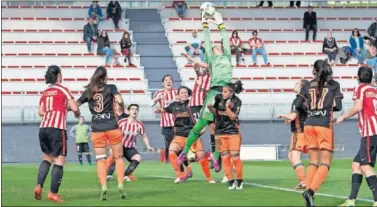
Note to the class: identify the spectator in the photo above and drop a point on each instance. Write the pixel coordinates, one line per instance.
(310, 23)
(103, 46)
(95, 12)
(330, 47)
(114, 11)
(357, 46)
(125, 46)
(372, 32)
(371, 57)
(90, 33)
(262, 2)
(195, 47)
(180, 7)
(256, 46)
(292, 3)
(235, 46)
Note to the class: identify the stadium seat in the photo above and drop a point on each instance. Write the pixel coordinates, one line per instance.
(57, 58)
(47, 11)
(52, 47)
(277, 12)
(65, 35)
(51, 23)
(71, 71)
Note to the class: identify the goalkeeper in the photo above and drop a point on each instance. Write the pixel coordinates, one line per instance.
(220, 64)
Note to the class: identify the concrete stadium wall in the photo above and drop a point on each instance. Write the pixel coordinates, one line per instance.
(20, 142)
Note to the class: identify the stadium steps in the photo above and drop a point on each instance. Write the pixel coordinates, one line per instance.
(156, 56)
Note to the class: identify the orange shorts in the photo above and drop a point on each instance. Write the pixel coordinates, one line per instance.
(100, 139)
(298, 142)
(181, 141)
(319, 137)
(230, 142)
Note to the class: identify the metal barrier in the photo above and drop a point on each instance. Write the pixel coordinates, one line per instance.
(267, 111)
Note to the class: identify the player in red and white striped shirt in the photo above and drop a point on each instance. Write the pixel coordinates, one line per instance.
(163, 97)
(365, 97)
(131, 128)
(53, 106)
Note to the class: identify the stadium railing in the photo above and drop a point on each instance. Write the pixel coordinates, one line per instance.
(136, 4)
(264, 111)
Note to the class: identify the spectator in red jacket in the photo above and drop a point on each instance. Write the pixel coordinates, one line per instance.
(257, 46)
(180, 7)
(236, 46)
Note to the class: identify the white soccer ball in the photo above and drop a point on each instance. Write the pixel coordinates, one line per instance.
(208, 8)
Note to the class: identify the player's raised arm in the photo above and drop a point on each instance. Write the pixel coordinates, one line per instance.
(225, 38)
(207, 39)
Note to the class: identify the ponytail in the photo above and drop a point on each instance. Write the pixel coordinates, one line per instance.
(52, 73)
(323, 75)
(97, 81)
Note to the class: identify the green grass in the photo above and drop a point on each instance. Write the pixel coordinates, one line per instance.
(80, 187)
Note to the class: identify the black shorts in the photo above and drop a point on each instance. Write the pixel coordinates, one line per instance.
(195, 113)
(82, 147)
(128, 153)
(53, 141)
(367, 152)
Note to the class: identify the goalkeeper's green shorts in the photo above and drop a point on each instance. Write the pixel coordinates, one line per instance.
(210, 98)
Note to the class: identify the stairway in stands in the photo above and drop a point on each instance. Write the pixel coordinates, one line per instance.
(153, 46)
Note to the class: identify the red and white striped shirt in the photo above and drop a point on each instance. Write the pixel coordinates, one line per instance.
(200, 91)
(367, 117)
(235, 41)
(130, 130)
(166, 120)
(54, 101)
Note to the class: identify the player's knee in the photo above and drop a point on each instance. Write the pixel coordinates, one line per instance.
(324, 164)
(60, 160)
(200, 154)
(100, 157)
(48, 158)
(313, 163)
(235, 155)
(225, 154)
(367, 170)
(136, 157)
(298, 165)
(356, 168)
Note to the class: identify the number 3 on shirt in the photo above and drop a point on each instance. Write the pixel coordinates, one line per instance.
(99, 103)
(313, 97)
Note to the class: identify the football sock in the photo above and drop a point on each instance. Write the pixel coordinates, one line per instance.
(372, 183)
(194, 134)
(173, 161)
(356, 181)
(319, 177)
(300, 171)
(213, 143)
(119, 168)
(79, 155)
(205, 168)
(131, 167)
(310, 173)
(227, 166)
(101, 172)
(89, 158)
(56, 178)
(237, 162)
(44, 168)
(111, 170)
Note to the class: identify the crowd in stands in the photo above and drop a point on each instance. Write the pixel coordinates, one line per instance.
(92, 33)
(362, 48)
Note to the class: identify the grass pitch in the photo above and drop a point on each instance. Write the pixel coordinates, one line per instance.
(269, 185)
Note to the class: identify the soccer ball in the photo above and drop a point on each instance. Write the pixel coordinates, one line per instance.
(208, 8)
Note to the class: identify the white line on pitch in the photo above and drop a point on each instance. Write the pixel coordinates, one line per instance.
(280, 189)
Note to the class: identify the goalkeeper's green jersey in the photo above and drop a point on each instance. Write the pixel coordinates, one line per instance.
(220, 66)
